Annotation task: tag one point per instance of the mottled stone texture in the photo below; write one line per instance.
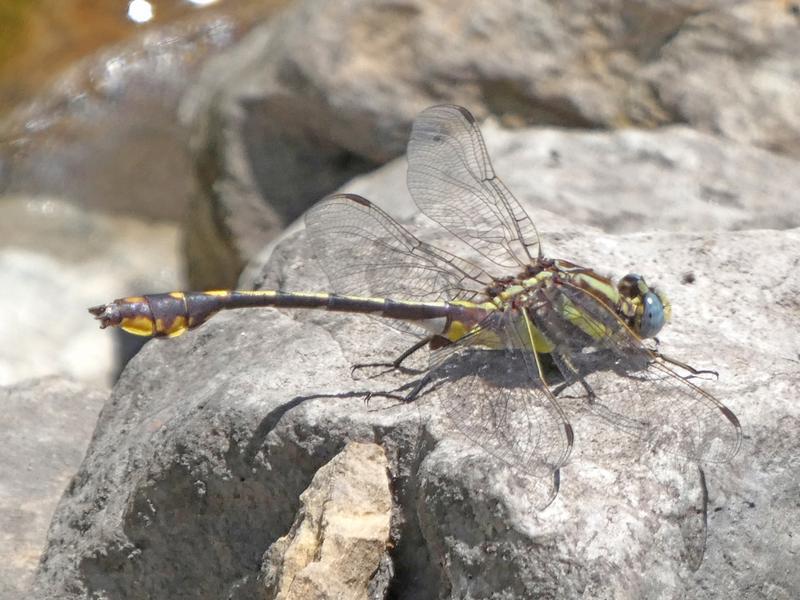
(328, 90)
(45, 425)
(201, 455)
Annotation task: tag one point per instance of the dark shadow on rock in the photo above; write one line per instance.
(285, 151)
(416, 576)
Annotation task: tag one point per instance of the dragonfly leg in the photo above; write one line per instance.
(571, 377)
(693, 372)
(560, 388)
(368, 396)
(396, 363)
(418, 388)
(397, 394)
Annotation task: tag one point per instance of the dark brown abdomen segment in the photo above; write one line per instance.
(170, 314)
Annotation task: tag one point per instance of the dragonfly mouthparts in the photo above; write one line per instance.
(108, 315)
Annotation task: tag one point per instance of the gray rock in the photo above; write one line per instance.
(45, 425)
(632, 180)
(733, 71)
(202, 452)
(673, 178)
(329, 89)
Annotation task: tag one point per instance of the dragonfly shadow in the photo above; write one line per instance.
(267, 424)
(273, 417)
(488, 398)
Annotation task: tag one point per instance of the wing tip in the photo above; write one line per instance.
(450, 108)
(465, 113)
(358, 199)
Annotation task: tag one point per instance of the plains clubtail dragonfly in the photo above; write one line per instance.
(521, 338)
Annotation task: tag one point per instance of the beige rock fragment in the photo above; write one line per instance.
(340, 533)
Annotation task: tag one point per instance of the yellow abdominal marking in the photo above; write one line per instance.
(456, 331)
(138, 325)
(529, 335)
(179, 325)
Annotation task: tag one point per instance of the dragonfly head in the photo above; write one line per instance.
(651, 308)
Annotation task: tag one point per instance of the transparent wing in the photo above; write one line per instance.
(633, 387)
(452, 181)
(498, 400)
(365, 252)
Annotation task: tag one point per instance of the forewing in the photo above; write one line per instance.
(634, 388)
(498, 400)
(365, 252)
(452, 181)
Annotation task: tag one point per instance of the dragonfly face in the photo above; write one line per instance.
(651, 307)
(488, 330)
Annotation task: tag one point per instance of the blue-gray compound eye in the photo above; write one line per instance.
(653, 317)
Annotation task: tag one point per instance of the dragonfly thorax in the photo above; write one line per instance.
(499, 286)
(643, 309)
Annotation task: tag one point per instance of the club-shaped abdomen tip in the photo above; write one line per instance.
(131, 314)
(106, 314)
(160, 315)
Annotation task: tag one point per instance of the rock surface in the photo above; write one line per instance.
(673, 178)
(340, 535)
(328, 90)
(45, 426)
(213, 436)
(201, 455)
(119, 105)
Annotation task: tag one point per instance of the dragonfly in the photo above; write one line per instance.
(509, 330)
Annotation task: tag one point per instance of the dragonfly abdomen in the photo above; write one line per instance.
(172, 313)
(160, 315)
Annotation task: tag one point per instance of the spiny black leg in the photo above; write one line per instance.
(396, 395)
(574, 375)
(418, 388)
(388, 395)
(694, 372)
(591, 397)
(396, 363)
